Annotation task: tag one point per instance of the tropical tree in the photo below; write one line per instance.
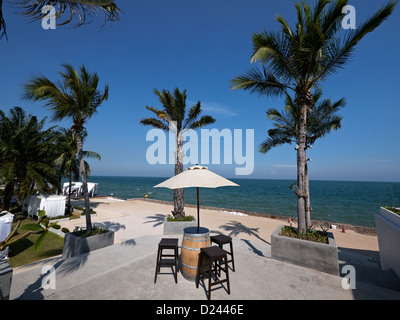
(75, 97)
(68, 162)
(27, 154)
(298, 60)
(320, 122)
(65, 11)
(173, 118)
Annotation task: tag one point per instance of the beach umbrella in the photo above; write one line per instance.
(196, 177)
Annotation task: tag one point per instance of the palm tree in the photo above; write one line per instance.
(172, 117)
(69, 9)
(68, 162)
(320, 122)
(298, 60)
(76, 97)
(27, 154)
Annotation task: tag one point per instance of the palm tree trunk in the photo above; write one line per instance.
(69, 191)
(304, 100)
(308, 206)
(84, 182)
(301, 216)
(179, 194)
(8, 193)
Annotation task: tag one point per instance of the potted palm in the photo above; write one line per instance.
(297, 61)
(80, 242)
(388, 231)
(77, 98)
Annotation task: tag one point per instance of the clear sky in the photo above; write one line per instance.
(200, 45)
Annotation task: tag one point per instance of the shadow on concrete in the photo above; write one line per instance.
(34, 290)
(253, 248)
(110, 225)
(236, 228)
(367, 270)
(157, 219)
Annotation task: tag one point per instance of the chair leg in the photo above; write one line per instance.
(233, 260)
(176, 264)
(227, 275)
(210, 263)
(157, 265)
(198, 269)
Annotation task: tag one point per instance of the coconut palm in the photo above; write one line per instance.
(65, 11)
(298, 60)
(321, 121)
(68, 162)
(27, 154)
(75, 97)
(173, 118)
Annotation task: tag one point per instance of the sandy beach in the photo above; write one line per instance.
(134, 218)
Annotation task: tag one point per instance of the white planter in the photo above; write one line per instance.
(388, 231)
(74, 245)
(177, 227)
(318, 256)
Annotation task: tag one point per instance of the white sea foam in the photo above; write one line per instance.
(115, 199)
(235, 213)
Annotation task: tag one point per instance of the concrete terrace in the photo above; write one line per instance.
(126, 271)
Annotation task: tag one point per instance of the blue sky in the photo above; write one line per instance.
(200, 46)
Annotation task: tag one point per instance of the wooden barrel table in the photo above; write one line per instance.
(193, 240)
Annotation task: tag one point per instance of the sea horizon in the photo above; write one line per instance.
(349, 202)
(242, 178)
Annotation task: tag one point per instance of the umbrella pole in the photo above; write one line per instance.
(198, 211)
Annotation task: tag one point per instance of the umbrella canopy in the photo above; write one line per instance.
(196, 177)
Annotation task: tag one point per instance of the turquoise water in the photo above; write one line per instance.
(336, 201)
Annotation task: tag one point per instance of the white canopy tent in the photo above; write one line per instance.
(76, 188)
(53, 205)
(5, 229)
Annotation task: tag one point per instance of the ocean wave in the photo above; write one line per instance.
(115, 199)
(235, 213)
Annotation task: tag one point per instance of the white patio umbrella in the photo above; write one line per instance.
(196, 177)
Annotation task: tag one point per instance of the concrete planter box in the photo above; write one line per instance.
(74, 245)
(309, 254)
(6, 273)
(388, 231)
(176, 227)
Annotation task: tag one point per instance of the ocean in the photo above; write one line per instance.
(334, 201)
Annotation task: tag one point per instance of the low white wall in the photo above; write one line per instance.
(388, 230)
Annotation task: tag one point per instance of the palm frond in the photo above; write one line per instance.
(193, 114)
(91, 154)
(273, 50)
(261, 82)
(75, 96)
(78, 12)
(154, 123)
(203, 121)
(3, 26)
(338, 52)
(83, 10)
(274, 140)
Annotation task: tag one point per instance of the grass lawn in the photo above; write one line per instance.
(22, 252)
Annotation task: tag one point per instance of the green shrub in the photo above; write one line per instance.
(186, 218)
(311, 234)
(393, 209)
